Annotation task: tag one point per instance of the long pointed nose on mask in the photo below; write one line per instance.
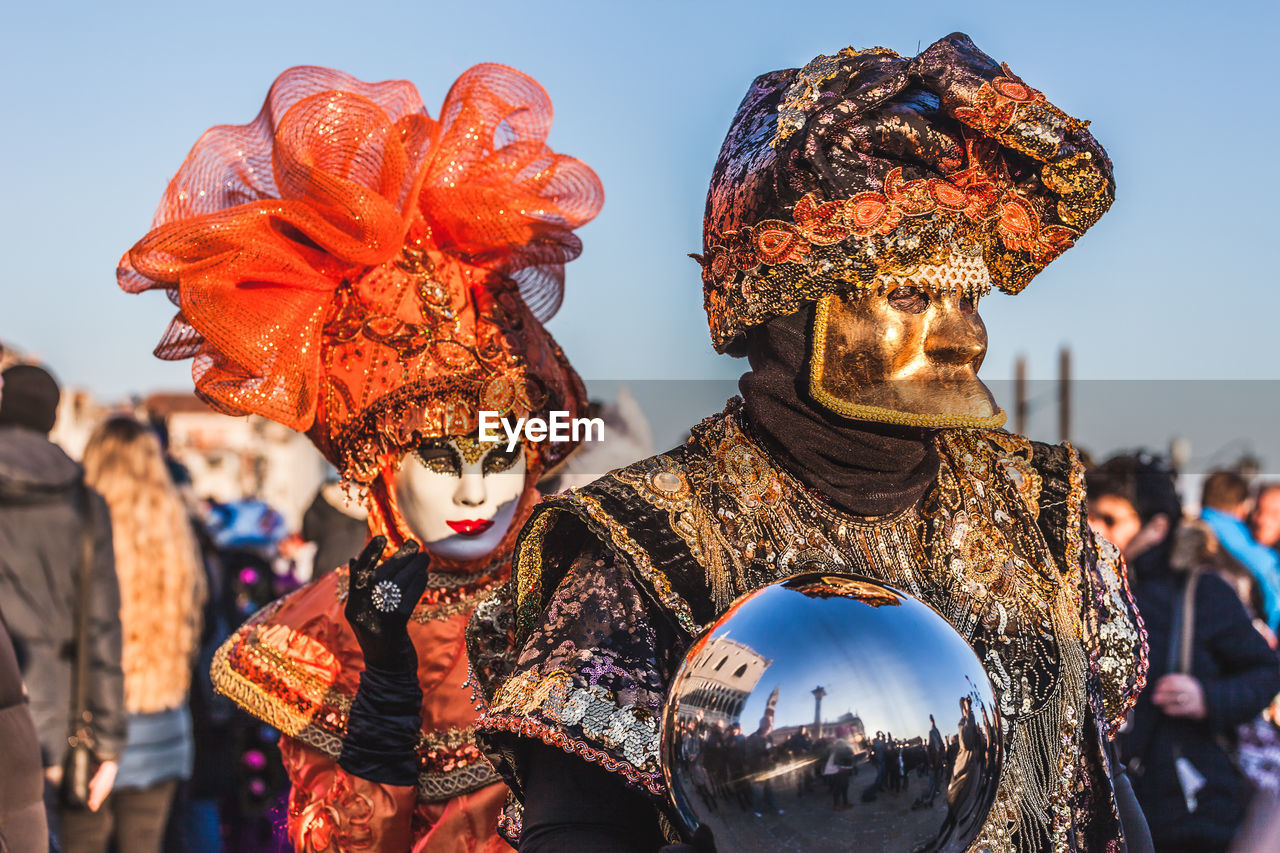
(956, 334)
(906, 353)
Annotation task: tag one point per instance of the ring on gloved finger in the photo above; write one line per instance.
(386, 596)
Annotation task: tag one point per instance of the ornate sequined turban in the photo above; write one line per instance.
(866, 164)
(357, 270)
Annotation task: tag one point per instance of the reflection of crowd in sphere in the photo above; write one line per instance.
(878, 777)
(759, 775)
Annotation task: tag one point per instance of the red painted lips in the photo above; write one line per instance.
(470, 526)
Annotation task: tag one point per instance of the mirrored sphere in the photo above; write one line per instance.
(832, 712)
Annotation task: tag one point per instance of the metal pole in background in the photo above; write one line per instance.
(1020, 395)
(1064, 394)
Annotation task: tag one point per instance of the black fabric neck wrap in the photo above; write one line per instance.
(865, 469)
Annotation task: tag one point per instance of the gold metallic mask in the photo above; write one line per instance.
(907, 353)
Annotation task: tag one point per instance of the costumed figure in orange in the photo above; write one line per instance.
(356, 270)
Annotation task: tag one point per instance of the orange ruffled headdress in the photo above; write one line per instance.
(356, 270)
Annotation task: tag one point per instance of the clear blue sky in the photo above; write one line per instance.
(102, 102)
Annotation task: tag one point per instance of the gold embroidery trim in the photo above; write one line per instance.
(665, 484)
(527, 569)
(1075, 500)
(1122, 643)
(250, 696)
(640, 559)
(332, 707)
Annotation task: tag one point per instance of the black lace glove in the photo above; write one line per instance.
(382, 728)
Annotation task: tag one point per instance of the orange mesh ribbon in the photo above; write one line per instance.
(344, 253)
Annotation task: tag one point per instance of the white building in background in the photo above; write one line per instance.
(231, 458)
(78, 416)
(720, 679)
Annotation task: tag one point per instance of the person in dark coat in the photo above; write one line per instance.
(44, 506)
(842, 762)
(22, 821)
(1177, 746)
(935, 758)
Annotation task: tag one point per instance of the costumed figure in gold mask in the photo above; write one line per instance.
(860, 209)
(357, 270)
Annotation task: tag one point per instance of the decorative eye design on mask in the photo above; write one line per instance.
(909, 299)
(499, 459)
(913, 299)
(440, 457)
(445, 456)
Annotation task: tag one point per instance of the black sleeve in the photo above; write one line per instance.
(1137, 833)
(1249, 672)
(106, 677)
(571, 804)
(382, 728)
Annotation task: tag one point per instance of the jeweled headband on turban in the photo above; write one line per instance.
(867, 164)
(356, 270)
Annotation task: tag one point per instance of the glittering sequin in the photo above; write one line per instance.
(999, 546)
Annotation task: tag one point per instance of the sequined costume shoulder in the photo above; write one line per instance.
(614, 580)
(295, 665)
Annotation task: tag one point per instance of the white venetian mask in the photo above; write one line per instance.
(458, 496)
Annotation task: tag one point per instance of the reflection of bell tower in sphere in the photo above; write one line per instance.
(818, 692)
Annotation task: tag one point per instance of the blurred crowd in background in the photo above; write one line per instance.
(172, 573)
(175, 549)
(1201, 748)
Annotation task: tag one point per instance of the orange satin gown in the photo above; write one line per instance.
(296, 665)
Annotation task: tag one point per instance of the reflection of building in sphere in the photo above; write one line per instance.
(849, 687)
(857, 736)
(720, 679)
(851, 721)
